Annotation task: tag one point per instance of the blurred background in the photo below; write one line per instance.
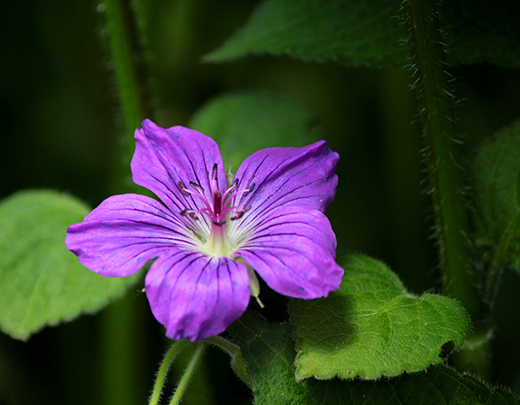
(60, 130)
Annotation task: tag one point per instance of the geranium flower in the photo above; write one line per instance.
(270, 216)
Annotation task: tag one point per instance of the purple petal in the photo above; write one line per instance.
(293, 250)
(196, 296)
(289, 176)
(123, 232)
(165, 157)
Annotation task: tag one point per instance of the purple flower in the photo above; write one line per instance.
(270, 216)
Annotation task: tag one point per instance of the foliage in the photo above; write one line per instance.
(376, 339)
(269, 352)
(43, 283)
(372, 326)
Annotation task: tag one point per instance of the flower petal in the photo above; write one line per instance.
(293, 250)
(165, 157)
(123, 232)
(288, 176)
(196, 296)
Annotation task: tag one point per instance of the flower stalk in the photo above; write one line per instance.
(238, 363)
(163, 370)
(188, 373)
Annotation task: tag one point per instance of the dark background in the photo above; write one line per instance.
(60, 126)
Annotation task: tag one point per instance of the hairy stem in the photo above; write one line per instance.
(163, 370)
(238, 363)
(124, 44)
(441, 152)
(120, 345)
(188, 373)
(128, 65)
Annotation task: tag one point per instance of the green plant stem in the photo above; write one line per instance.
(441, 152)
(120, 343)
(127, 59)
(238, 363)
(224, 344)
(120, 325)
(188, 373)
(163, 370)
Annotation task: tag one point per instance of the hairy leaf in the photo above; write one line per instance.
(359, 32)
(269, 352)
(347, 31)
(42, 283)
(372, 326)
(497, 195)
(243, 123)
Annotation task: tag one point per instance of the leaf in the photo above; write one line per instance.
(359, 32)
(353, 32)
(372, 326)
(476, 35)
(269, 352)
(496, 174)
(243, 123)
(42, 283)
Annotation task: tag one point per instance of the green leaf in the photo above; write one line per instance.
(348, 31)
(496, 195)
(42, 283)
(269, 352)
(360, 32)
(372, 326)
(476, 35)
(243, 123)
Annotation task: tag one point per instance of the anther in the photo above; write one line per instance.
(250, 189)
(182, 189)
(197, 187)
(239, 213)
(233, 186)
(190, 213)
(219, 223)
(214, 173)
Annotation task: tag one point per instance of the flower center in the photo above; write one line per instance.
(215, 212)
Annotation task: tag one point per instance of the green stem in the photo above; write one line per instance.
(441, 152)
(238, 363)
(224, 344)
(120, 328)
(120, 343)
(163, 370)
(127, 59)
(188, 373)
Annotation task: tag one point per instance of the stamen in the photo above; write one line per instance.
(230, 190)
(239, 213)
(213, 209)
(197, 187)
(182, 188)
(250, 189)
(190, 213)
(214, 173)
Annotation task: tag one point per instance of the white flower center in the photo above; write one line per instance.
(212, 238)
